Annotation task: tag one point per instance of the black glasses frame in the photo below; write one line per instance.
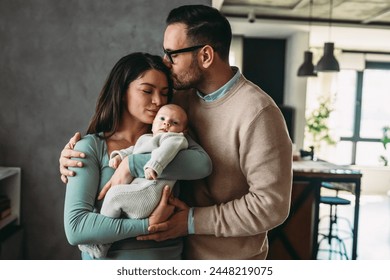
(189, 49)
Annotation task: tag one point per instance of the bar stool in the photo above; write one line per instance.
(334, 235)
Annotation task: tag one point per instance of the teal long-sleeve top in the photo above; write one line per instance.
(82, 222)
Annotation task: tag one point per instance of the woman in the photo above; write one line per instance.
(138, 85)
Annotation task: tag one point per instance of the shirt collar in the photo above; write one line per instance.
(222, 90)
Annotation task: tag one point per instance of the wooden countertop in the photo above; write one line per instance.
(309, 168)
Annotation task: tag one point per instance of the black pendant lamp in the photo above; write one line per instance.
(307, 67)
(328, 62)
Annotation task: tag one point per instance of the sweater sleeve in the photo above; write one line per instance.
(82, 224)
(170, 145)
(189, 164)
(265, 157)
(122, 153)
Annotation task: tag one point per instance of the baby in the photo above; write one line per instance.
(138, 199)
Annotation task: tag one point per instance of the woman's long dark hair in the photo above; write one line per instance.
(109, 106)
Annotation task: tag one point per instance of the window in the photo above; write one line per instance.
(361, 110)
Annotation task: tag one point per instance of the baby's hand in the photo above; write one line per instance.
(115, 161)
(150, 174)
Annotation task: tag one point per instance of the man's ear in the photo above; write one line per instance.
(206, 56)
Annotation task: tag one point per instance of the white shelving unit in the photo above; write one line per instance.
(10, 179)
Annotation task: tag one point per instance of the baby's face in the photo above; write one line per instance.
(169, 119)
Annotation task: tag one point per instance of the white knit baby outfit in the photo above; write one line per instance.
(138, 199)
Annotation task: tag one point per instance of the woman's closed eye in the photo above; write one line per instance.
(146, 89)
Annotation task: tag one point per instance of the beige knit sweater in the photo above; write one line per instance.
(248, 192)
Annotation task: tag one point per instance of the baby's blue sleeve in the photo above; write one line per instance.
(190, 164)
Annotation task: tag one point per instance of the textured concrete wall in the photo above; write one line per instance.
(54, 58)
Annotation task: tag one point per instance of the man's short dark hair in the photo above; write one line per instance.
(205, 25)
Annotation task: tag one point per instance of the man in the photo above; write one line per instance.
(242, 130)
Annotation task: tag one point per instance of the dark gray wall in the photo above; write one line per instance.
(54, 58)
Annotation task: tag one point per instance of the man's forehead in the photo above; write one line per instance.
(175, 36)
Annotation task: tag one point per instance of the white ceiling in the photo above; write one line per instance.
(347, 34)
(361, 12)
(350, 38)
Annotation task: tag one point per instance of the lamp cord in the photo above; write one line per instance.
(330, 19)
(310, 14)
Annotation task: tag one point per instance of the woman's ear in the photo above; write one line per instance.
(206, 56)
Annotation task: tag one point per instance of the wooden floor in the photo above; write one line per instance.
(374, 227)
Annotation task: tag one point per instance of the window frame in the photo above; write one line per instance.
(355, 138)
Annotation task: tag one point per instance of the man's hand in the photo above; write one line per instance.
(68, 153)
(176, 226)
(121, 175)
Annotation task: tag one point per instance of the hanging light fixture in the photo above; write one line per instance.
(328, 62)
(307, 67)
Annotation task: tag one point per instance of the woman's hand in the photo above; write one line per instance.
(163, 210)
(121, 175)
(65, 158)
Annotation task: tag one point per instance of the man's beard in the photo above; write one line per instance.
(191, 79)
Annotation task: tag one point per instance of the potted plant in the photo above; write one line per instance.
(317, 127)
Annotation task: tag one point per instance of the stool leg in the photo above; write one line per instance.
(336, 246)
(344, 249)
(331, 222)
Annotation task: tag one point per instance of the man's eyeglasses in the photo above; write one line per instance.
(189, 49)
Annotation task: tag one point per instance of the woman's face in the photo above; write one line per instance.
(146, 95)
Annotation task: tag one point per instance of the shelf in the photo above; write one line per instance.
(6, 172)
(10, 179)
(8, 220)
(11, 243)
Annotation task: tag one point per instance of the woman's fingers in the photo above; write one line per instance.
(104, 190)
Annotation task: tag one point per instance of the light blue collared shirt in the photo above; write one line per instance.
(223, 90)
(219, 93)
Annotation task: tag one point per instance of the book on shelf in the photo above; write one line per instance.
(5, 202)
(5, 213)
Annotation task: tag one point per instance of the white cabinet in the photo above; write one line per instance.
(10, 186)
